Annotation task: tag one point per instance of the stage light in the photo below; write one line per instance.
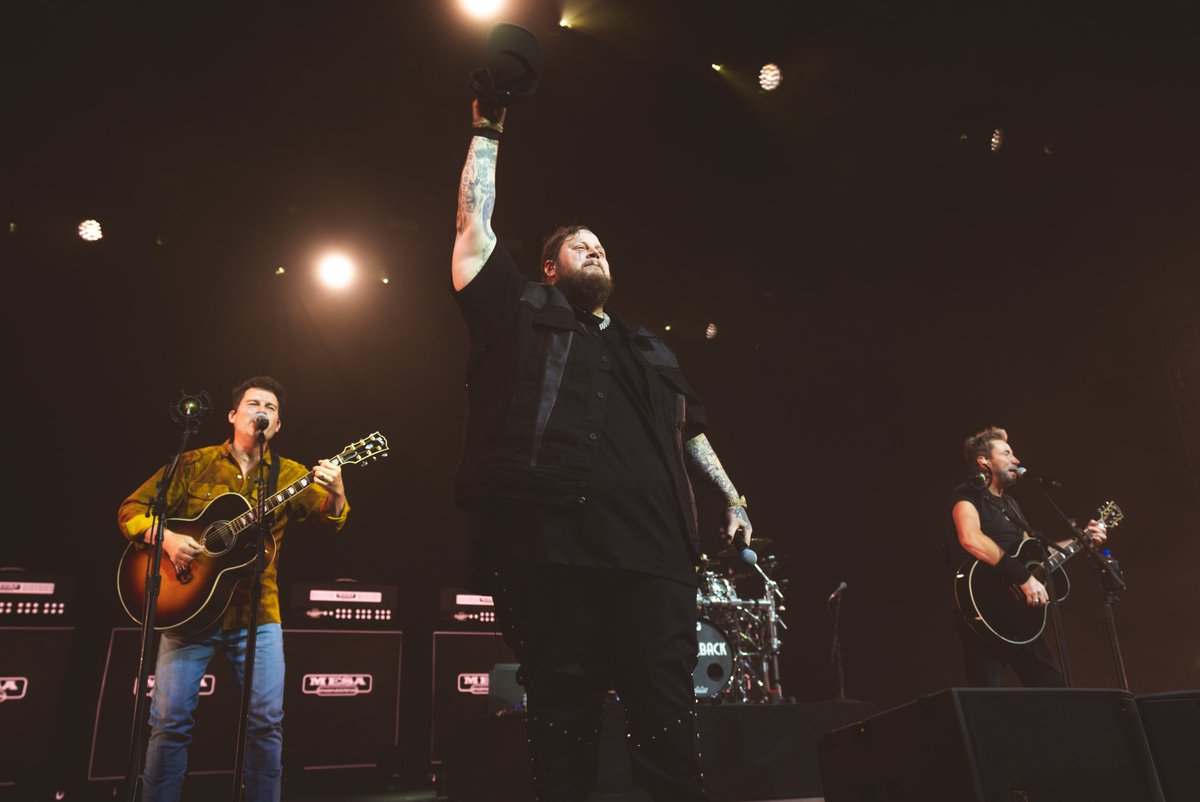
(90, 231)
(710, 331)
(769, 77)
(336, 271)
(667, 327)
(564, 23)
(481, 9)
(717, 67)
(997, 139)
(279, 271)
(385, 279)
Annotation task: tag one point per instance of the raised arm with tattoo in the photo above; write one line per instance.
(474, 239)
(702, 459)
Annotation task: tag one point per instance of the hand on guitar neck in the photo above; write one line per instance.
(1034, 591)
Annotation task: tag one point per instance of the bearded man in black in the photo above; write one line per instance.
(580, 431)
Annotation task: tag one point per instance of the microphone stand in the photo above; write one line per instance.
(835, 652)
(1111, 583)
(260, 528)
(1060, 636)
(190, 411)
(771, 655)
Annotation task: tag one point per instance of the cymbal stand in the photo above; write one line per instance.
(770, 636)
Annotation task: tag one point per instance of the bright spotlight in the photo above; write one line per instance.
(997, 139)
(564, 23)
(769, 77)
(89, 231)
(717, 67)
(710, 331)
(481, 9)
(336, 271)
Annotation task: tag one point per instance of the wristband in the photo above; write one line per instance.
(740, 501)
(1013, 570)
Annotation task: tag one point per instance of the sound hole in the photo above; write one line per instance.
(218, 539)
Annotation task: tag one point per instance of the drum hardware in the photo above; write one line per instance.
(738, 638)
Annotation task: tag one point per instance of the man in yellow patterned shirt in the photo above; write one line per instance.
(203, 475)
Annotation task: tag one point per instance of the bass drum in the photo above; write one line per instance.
(715, 665)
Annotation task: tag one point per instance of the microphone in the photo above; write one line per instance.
(747, 555)
(1023, 473)
(261, 421)
(836, 592)
(191, 409)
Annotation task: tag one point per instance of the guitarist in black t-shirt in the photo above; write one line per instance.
(989, 527)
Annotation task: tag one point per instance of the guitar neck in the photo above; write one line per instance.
(1065, 553)
(278, 499)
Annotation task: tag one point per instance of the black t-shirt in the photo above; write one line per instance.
(632, 519)
(1000, 518)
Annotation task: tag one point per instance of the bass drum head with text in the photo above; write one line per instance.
(715, 664)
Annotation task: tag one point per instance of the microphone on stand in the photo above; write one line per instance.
(261, 421)
(836, 592)
(1023, 473)
(191, 409)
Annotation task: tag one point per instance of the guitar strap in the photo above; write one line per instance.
(272, 483)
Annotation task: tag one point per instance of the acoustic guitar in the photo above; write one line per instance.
(996, 608)
(194, 597)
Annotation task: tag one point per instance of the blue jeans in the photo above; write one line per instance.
(181, 665)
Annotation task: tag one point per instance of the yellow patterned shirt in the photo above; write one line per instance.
(205, 474)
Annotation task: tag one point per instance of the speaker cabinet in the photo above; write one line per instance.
(1172, 723)
(462, 668)
(341, 704)
(33, 665)
(995, 745)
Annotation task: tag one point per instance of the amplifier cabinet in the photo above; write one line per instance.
(33, 666)
(462, 665)
(341, 703)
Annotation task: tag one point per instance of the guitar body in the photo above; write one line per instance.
(994, 607)
(190, 603)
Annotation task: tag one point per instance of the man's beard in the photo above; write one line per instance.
(586, 289)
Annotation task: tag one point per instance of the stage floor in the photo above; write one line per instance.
(430, 796)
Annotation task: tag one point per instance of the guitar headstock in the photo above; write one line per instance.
(1110, 514)
(364, 451)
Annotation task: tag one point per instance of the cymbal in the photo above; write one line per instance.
(755, 544)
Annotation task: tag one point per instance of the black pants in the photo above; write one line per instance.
(985, 659)
(578, 631)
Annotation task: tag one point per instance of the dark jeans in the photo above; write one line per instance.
(580, 631)
(985, 659)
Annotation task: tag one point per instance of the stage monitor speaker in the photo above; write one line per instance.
(1172, 723)
(462, 667)
(341, 704)
(995, 745)
(33, 665)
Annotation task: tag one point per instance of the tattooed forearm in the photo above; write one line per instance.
(477, 189)
(703, 459)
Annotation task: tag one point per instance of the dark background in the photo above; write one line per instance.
(883, 283)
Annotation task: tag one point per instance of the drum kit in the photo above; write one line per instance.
(738, 637)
